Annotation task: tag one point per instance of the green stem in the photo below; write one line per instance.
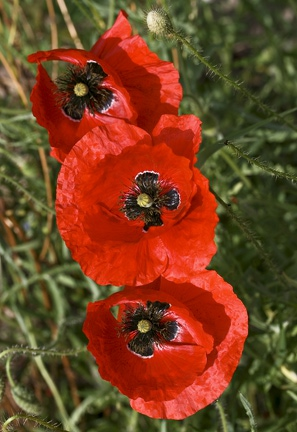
(163, 426)
(9, 376)
(34, 419)
(132, 423)
(26, 326)
(254, 161)
(28, 194)
(249, 411)
(39, 351)
(55, 392)
(237, 86)
(111, 13)
(251, 236)
(236, 169)
(222, 416)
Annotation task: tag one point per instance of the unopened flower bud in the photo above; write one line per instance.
(158, 22)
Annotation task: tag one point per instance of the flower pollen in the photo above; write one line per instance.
(147, 197)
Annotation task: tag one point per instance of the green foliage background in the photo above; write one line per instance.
(43, 293)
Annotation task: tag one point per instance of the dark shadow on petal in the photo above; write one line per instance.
(144, 87)
(214, 320)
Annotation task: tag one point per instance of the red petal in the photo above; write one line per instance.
(160, 377)
(225, 317)
(181, 133)
(112, 262)
(194, 235)
(109, 247)
(79, 57)
(49, 115)
(152, 83)
(144, 86)
(74, 56)
(110, 39)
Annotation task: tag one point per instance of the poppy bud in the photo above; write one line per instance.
(158, 22)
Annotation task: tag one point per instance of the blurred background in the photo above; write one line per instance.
(43, 293)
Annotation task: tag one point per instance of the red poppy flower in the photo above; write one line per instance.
(118, 78)
(172, 348)
(131, 206)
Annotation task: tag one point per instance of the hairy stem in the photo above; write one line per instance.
(236, 85)
(39, 351)
(259, 164)
(251, 236)
(25, 192)
(37, 420)
(222, 416)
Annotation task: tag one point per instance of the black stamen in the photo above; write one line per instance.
(142, 345)
(80, 88)
(146, 198)
(171, 199)
(145, 327)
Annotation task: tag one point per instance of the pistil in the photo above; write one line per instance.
(81, 89)
(144, 200)
(144, 326)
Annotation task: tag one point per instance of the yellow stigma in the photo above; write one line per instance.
(81, 89)
(144, 326)
(144, 200)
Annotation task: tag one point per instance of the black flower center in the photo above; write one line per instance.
(146, 198)
(80, 88)
(147, 327)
